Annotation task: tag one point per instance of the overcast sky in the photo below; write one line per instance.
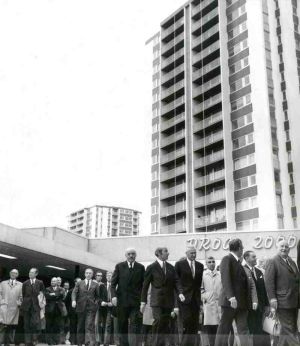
(75, 86)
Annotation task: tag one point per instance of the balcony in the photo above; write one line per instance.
(278, 187)
(172, 28)
(205, 52)
(172, 191)
(198, 74)
(172, 74)
(173, 155)
(173, 138)
(199, 90)
(208, 159)
(204, 142)
(199, 40)
(172, 122)
(197, 9)
(172, 173)
(205, 19)
(198, 108)
(172, 89)
(173, 209)
(211, 198)
(178, 227)
(172, 44)
(209, 220)
(210, 178)
(276, 163)
(172, 105)
(171, 59)
(213, 119)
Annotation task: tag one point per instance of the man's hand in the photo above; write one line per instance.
(181, 297)
(233, 302)
(142, 307)
(114, 301)
(109, 304)
(74, 304)
(103, 304)
(176, 311)
(254, 306)
(273, 304)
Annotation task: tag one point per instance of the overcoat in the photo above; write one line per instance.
(10, 301)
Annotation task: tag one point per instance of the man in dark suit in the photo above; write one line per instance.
(85, 298)
(164, 284)
(234, 297)
(101, 313)
(72, 314)
(55, 311)
(255, 317)
(282, 284)
(30, 307)
(68, 304)
(190, 273)
(126, 288)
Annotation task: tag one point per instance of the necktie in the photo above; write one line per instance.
(88, 285)
(164, 267)
(193, 268)
(108, 292)
(289, 265)
(130, 266)
(32, 282)
(253, 273)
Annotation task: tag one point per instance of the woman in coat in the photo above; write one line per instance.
(10, 301)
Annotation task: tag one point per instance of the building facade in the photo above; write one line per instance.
(104, 222)
(225, 152)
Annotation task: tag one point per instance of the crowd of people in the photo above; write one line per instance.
(163, 304)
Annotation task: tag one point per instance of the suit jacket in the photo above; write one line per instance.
(260, 287)
(234, 283)
(252, 297)
(282, 282)
(56, 300)
(108, 298)
(30, 295)
(163, 286)
(191, 287)
(86, 300)
(68, 300)
(127, 285)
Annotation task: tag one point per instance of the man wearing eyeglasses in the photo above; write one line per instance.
(210, 292)
(126, 289)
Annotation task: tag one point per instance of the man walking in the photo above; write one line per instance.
(85, 298)
(234, 295)
(30, 307)
(164, 283)
(126, 288)
(282, 285)
(10, 301)
(190, 272)
(255, 317)
(210, 293)
(55, 309)
(100, 319)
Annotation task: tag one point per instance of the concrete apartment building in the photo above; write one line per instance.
(225, 116)
(104, 222)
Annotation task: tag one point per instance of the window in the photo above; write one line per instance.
(154, 192)
(247, 225)
(241, 102)
(242, 121)
(244, 161)
(153, 227)
(239, 65)
(240, 83)
(155, 68)
(295, 224)
(155, 112)
(153, 209)
(236, 13)
(237, 48)
(246, 204)
(243, 141)
(245, 182)
(154, 175)
(155, 97)
(154, 128)
(154, 143)
(154, 159)
(237, 30)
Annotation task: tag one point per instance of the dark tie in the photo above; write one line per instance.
(253, 273)
(164, 268)
(289, 265)
(108, 292)
(193, 269)
(88, 285)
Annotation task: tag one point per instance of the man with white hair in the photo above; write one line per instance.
(190, 272)
(282, 285)
(126, 289)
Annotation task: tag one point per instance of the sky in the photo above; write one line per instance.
(75, 107)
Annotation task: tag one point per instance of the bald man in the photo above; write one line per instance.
(126, 289)
(190, 272)
(282, 285)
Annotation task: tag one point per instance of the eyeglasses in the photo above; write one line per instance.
(211, 262)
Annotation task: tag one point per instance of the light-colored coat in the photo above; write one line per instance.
(210, 292)
(10, 301)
